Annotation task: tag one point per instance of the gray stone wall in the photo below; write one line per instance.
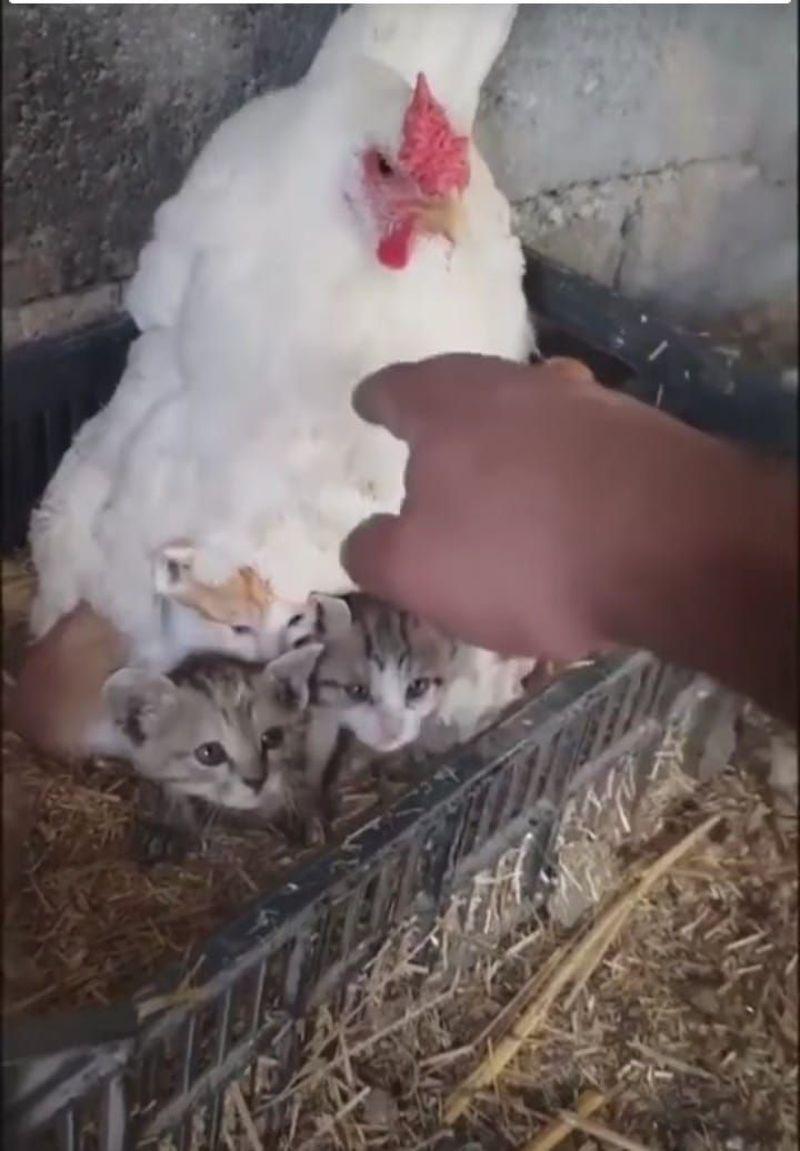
(104, 108)
(653, 147)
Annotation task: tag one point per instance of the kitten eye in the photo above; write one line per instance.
(384, 167)
(417, 688)
(211, 754)
(241, 629)
(357, 692)
(272, 739)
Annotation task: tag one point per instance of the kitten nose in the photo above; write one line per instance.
(391, 728)
(256, 778)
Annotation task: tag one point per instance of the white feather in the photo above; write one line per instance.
(455, 45)
(262, 305)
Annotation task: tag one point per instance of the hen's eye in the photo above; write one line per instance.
(272, 739)
(384, 167)
(357, 692)
(210, 754)
(417, 688)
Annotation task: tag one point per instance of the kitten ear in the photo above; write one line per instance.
(332, 615)
(322, 619)
(239, 601)
(137, 700)
(172, 570)
(289, 674)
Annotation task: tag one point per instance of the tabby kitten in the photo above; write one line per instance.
(218, 729)
(380, 676)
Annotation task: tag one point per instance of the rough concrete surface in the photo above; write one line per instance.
(60, 313)
(584, 93)
(714, 237)
(104, 109)
(652, 147)
(706, 238)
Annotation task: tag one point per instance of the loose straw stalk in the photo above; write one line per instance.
(587, 954)
(560, 1129)
(603, 1133)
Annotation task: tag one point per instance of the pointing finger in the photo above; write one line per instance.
(410, 399)
(369, 554)
(407, 399)
(382, 556)
(571, 370)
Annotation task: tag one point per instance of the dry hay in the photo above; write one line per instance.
(93, 922)
(89, 924)
(677, 1032)
(764, 336)
(685, 1030)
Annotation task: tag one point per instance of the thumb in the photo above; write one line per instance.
(378, 557)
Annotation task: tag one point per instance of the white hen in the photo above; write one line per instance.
(325, 231)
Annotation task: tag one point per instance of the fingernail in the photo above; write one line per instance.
(572, 369)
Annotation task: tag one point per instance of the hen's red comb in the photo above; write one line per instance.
(431, 152)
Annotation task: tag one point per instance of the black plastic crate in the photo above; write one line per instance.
(50, 387)
(114, 1079)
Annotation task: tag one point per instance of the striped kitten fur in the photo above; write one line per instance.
(217, 728)
(379, 678)
(383, 675)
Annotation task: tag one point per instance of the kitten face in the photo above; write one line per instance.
(384, 675)
(216, 728)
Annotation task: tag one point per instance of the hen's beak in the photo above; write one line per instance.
(443, 217)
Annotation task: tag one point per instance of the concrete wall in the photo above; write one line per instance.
(653, 147)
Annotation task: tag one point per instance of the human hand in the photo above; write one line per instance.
(547, 515)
